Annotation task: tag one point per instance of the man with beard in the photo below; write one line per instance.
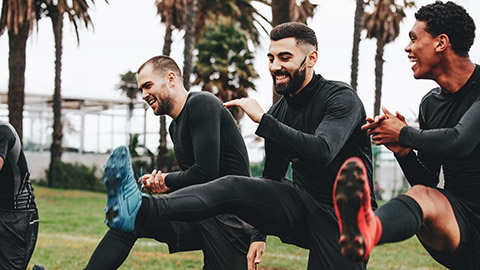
(315, 127)
(207, 145)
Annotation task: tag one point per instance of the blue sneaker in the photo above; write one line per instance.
(123, 195)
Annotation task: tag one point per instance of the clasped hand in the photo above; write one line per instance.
(385, 129)
(154, 182)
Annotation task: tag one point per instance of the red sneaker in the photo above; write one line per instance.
(360, 228)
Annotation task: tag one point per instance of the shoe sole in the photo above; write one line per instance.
(116, 172)
(348, 198)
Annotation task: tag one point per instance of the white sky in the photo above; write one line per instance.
(127, 33)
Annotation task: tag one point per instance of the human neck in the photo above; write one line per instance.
(455, 74)
(179, 103)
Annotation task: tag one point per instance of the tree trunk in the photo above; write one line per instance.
(357, 30)
(280, 14)
(57, 135)
(378, 76)
(190, 11)
(162, 158)
(16, 81)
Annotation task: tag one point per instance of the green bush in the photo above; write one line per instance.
(75, 176)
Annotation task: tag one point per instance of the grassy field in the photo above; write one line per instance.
(71, 225)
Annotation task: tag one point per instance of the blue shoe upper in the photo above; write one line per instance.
(123, 195)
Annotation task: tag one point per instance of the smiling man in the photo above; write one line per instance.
(315, 127)
(208, 145)
(446, 220)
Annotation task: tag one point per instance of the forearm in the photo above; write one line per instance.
(317, 147)
(257, 236)
(192, 176)
(457, 141)
(415, 172)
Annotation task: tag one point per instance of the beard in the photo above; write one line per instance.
(164, 105)
(294, 83)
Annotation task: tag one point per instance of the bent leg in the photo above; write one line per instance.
(115, 246)
(257, 201)
(440, 229)
(112, 250)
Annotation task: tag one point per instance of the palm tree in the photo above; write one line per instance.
(357, 29)
(171, 14)
(77, 11)
(384, 25)
(189, 38)
(128, 86)
(290, 11)
(17, 16)
(224, 62)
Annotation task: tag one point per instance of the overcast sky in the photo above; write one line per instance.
(127, 33)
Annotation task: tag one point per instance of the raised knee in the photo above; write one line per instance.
(426, 197)
(418, 191)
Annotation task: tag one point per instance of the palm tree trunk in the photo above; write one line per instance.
(189, 41)
(16, 82)
(57, 135)
(378, 76)
(162, 157)
(357, 29)
(280, 14)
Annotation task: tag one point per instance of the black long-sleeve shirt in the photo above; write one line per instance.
(316, 130)
(448, 137)
(207, 145)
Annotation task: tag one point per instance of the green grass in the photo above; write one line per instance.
(71, 225)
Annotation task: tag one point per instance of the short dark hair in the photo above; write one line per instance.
(162, 63)
(301, 32)
(452, 20)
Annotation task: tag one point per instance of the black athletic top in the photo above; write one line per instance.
(208, 145)
(316, 130)
(449, 136)
(16, 191)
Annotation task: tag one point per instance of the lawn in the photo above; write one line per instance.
(71, 225)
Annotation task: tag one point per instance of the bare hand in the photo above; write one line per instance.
(387, 130)
(249, 106)
(155, 182)
(255, 254)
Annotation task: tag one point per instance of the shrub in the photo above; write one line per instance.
(75, 176)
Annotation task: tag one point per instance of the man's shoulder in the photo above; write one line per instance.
(432, 94)
(6, 130)
(203, 97)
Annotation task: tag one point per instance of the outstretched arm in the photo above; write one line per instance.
(342, 112)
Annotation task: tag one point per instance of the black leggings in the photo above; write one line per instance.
(253, 200)
(274, 208)
(115, 246)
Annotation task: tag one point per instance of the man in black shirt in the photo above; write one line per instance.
(315, 127)
(446, 220)
(18, 211)
(207, 145)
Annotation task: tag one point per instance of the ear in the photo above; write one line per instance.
(442, 42)
(312, 59)
(172, 78)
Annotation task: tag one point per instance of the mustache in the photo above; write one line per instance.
(281, 72)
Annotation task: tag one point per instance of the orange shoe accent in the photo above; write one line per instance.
(360, 228)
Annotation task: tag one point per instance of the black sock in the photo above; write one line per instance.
(401, 218)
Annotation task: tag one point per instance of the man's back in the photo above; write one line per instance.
(207, 142)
